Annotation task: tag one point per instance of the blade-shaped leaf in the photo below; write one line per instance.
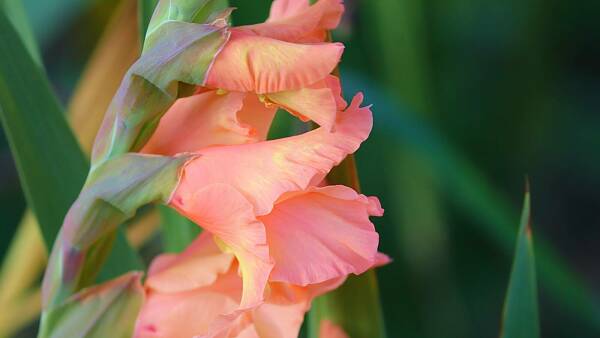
(51, 166)
(107, 310)
(520, 317)
(112, 195)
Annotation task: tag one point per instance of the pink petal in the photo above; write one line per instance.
(199, 265)
(321, 234)
(318, 102)
(256, 114)
(224, 212)
(251, 63)
(188, 313)
(198, 121)
(295, 21)
(264, 171)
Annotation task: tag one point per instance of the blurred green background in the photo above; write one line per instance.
(469, 97)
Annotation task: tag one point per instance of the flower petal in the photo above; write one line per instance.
(225, 212)
(321, 234)
(198, 266)
(251, 63)
(328, 329)
(188, 313)
(295, 21)
(318, 102)
(198, 121)
(264, 171)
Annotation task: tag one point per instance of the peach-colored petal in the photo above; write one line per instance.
(198, 121)
(264, 171)
(187, 313)
(318, 102)
(295, 21)
(251, 63)
(321, 234)
(328, 329)
(225, 212)
(256, 114)
(191, 269)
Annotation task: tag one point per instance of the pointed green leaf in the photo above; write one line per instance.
(51, 166)
(107, 310)
(520, 317)
(15, 12)
(112, 194)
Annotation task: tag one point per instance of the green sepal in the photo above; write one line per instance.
(106, 310)
(112, 194)
(182, 53)
(191, 11)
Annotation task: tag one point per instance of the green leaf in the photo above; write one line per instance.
(107, 310)
(520, 317)
(112, 195)
(15, 12)
(51, 166)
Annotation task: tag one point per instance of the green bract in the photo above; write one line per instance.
(107, 310)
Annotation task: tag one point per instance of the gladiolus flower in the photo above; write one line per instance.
(258, 199)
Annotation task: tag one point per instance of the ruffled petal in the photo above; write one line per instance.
(321, 234)
(318, 102)
(224, 212)
(295, 21)
(199, 121)
(188, 313)
(251, 63)
(264, 171)
(198, 266)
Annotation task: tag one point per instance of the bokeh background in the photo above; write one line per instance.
(469, 98)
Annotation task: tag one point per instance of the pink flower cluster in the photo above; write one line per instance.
(275, 235)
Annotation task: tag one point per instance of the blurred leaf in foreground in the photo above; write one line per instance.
(520, 317)
(51, 165)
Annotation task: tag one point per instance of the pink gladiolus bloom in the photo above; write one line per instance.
(194, 294)
(263, 204)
